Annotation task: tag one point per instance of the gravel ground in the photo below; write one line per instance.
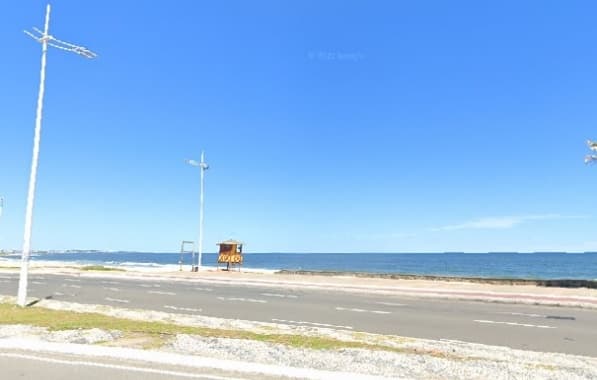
(415, 359)
(455, 360)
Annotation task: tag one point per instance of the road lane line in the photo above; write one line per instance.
(5, 281)
(71, 280)
(523, 314)
(71, 286)
(161, 293)
(391, 304)
(111, 289)
(117, 367)
(111, 282)
(145, 286)
(182, 308)
(204, 289)
(58, 294)
(38, 282)
(279, 295)
(116, 300)
(241, 299)
(356, 310)
(514, 324)
(311, 323)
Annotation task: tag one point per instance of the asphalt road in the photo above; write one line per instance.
(529, 327)
(22, 365)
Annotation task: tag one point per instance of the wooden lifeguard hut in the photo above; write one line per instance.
(231, 254)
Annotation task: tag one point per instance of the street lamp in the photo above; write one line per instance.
(46, 40)
(203, 166)
(590, 158)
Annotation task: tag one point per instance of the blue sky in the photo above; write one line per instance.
(336, 126)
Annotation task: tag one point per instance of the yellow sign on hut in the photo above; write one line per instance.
(231, 253)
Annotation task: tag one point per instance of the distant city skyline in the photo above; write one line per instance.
(328, 127)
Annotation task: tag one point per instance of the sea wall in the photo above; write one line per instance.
(559, 283)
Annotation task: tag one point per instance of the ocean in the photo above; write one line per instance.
(488, 265)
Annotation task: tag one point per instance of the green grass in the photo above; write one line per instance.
(101, 268)
(157, 333)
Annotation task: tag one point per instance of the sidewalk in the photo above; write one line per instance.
(454, 289)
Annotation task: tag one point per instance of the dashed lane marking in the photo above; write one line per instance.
(514, 324)
(38, 282)
(391, 304)
(279, 295)
(311, 323)
(111, 282)
(182, 308)
(111, 289)
(71, 286)
(241, 299)
(71, 280)
(116, 300)
(523, 314)
(161, 293)
(204, 289)
(362, 310)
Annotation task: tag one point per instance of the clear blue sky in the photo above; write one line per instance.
(336, 126)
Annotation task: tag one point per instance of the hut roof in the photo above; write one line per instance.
(230, 242)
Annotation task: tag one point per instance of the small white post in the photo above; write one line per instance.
(22, 295)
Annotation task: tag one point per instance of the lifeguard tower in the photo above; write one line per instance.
(231, 254)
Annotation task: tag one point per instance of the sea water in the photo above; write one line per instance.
(494, 265)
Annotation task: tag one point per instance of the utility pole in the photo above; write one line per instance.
(203, 166)
(46, 40)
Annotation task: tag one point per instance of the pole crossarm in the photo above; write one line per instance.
(41, 37)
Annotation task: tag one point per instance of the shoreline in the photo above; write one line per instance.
(557, 283)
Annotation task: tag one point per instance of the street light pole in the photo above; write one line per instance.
(203, 166)
(46, 40)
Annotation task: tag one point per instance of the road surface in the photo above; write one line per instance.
(529, 327)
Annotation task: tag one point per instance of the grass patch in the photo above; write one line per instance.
(102, 268)
(159, 332)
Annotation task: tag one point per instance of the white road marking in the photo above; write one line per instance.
(523, 314)
(116, 366)
(145, 286)
(161, 293)
(116, 300)
(58, 294)
(5, 281)
(111, 289)
(241, 299)
(111, 282)
(204, 289)
(38, 282)
(311, 323)
(514, 324)
(6, 277)
(391, 304)
(72, 286)
(71, 280)
(182, 308)
(279, 295)
(363, 310)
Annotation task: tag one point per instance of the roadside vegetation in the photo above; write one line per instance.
(156, 334)
(101, 268)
